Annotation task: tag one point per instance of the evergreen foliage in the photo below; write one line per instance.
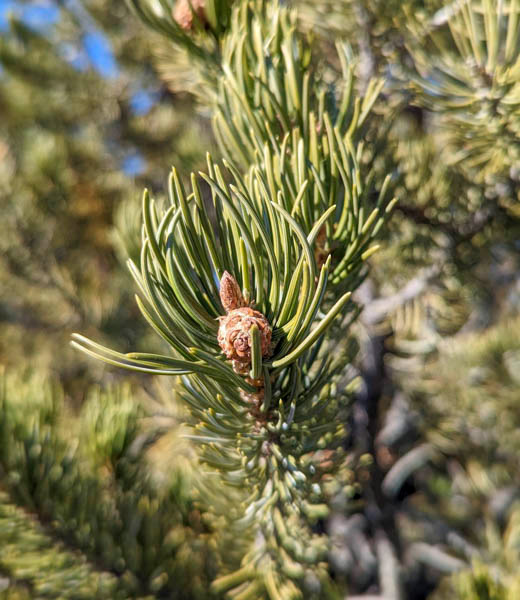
(65, 134)
(34, 565)
(262, 431)
(336, 302)
(95, 493)
(468, 70)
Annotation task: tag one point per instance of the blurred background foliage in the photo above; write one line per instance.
(99, 493)
(85, 124)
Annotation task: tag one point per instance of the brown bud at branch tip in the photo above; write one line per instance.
(230, 293)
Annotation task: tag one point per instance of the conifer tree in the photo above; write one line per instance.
(335, 299)
(67, 135)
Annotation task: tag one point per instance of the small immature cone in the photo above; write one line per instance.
(183, 15)
(234, 331)
(234, 337)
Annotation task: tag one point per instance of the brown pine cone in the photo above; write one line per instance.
(234, 337)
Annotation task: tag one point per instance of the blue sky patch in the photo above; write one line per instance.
(100, 54)
(134, 164)
(38, 15)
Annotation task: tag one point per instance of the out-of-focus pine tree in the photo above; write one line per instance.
(85, 122)
(84, 117)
